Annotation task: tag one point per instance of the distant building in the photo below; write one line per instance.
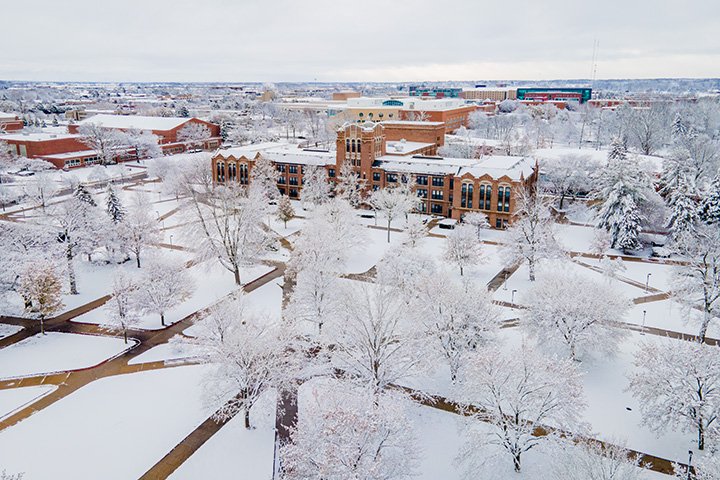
(10, 123)
(343, 96)
(497, 94)
(563, 94)
(416, 91)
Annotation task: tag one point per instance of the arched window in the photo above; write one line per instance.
(485, 196)
(243, 174)
(221, 171)
(503, 199)
(232, 171)
(347, 146)
(466, 194)
(352, 144)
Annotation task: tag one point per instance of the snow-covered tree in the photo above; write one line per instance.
(568, 175)
(393, 202)
(113, 206)
(105, 141)
(677, 384)
(315, 187)
(145, 143)
(574, 313)
(462, 247)
(122, 308)
(459, 317)
(416, 230)
(81, 193)
(684, 212)
(373, 340)
(41, 288)
(263, 177)
(40, 189)
(625, 190)
(516, 390)
(594, 461)
(406, 270)
(138, 229)
(349, 185)
(251, 356)
(194, 135)
(285, 210)
(705, 468)
(350, 434)
(530, 238)
(478, 220)
(710, 203)
(228, 222)
(165, 284)
(75, 232)
(697, 283)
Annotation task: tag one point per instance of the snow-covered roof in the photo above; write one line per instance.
(64, 156)
(7, 116)
(247, 151)
(401, 147)
(136, 122)
(501, 166)
(411, 123)
(297, 156)
(37, 137)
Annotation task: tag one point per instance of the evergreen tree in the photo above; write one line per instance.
(55, 122)
(114, 207)
(285, 211)
(627, 225)
(183, 111)
(82, 194)
(710, 207)
(685, 215)
(618, 151)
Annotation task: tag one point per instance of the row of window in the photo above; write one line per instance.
(503, 198)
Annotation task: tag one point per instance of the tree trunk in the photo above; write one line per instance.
(531, 270)
(125, 334)
(247, 418)
(71, 271)
(162, 318)
(516, 461)
(137, 259)
(701, 438)
(704, 326)
(42, 324)
(388, 230)
(236, 272)
(461, 270)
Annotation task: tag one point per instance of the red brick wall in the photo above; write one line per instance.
(50, 147)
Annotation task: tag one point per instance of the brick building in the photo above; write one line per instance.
(446, 187)
(10, 122)
(166, 129)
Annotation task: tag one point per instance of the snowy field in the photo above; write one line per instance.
(14, 399)
(7, 330)
(121, 426)
(57, 352)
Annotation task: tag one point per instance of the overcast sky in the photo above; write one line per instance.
(360, 40)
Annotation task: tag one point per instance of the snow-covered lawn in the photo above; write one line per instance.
(13, 399)
(212, 282)
(119, 426)
(670, 315)
(363, 257)
(490, 266)
(57, 352)
(176, 350)
(660, 275)
(7, 330)
(575, 238)
(234, 452)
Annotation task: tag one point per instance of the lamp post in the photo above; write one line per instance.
(643, 324)
(505, 282)
(171, 240)
(647, 282)
(690, 454)
(512, 296)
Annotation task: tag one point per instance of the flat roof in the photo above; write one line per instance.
(136, 122)
(403, 147)
(37, 137)
(412, 123)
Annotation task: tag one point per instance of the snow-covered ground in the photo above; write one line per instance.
(14, 399)
(116, 427)
(57, 352)
(7, 330)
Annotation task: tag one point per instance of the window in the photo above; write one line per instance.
(232, 171)
(422, 180)
(466, 193)
(221, 171)
(293, 169)
(485, 196)
(376, 188)
(437, 194)
(331, 172)
(503, 199)
(293, 181)
(293, 193)
(391, 178)
(438, 181)
(281, 180)
(376, 176)
(422, 193)
(244, 174)
(422, 207)
(281, 168)
(436, 208)
(501, 223)
(72, 163)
